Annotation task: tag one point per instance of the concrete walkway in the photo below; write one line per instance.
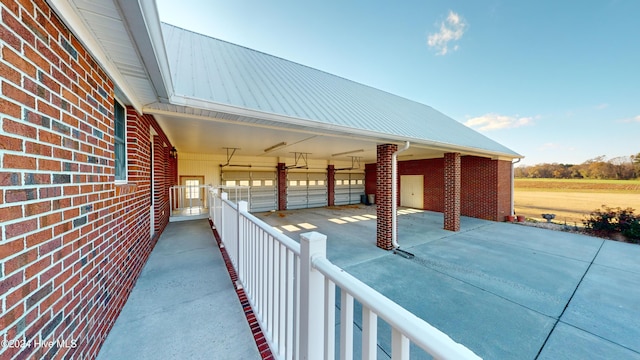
(184, 305)
(506, 291)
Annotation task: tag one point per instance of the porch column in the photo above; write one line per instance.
(331, 185)
(452, 191)
(282, 186)
(384, 200)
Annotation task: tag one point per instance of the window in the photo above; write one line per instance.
(120, 148)
(244, 182)
(192, 189)
(230, 183)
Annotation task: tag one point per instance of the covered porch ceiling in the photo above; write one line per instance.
(203, 134)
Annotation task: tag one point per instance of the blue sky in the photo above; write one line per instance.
(556, 81)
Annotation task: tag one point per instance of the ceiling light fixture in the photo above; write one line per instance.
(348, 152)
(276, 146)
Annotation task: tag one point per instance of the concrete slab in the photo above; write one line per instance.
(606, 305)
(618, 255)
(183, 305)
(490, 325)
(569, 343)
(500, 289)
(505, 269)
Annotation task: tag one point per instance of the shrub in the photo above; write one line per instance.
(607, 220)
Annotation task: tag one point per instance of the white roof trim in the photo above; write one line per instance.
(84, 35)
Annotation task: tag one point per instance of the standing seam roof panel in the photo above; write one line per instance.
(241, 77)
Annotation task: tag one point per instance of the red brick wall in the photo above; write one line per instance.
(452, 190)
(72, 243)
(485, 185)
(282, 186)
(331, 185)
(384, 200)
(504, 189)
(486, 188)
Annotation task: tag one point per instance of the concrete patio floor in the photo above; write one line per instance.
(506, 291)
(183, 305)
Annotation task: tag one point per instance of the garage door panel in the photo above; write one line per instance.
(306, 189)
(263, 187)
(348, 188)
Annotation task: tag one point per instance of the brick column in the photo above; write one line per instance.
(452, 191)
(383, 196)
(282, 186)
(331, 184)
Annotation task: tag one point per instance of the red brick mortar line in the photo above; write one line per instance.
(258, 336)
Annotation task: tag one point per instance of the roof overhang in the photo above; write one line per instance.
(124, 37)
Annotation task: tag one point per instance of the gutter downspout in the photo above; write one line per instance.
(394, 195)
(513, 212)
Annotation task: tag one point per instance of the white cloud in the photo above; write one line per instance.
(490, 122)
(630, 120)
(451, 29)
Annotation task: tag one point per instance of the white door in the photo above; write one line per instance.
(193, 195)
(412, 191)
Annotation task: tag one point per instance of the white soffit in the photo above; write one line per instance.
(100, 26)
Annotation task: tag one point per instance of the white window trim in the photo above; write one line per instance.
(126, 152)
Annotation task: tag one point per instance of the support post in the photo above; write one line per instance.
(312, 244)
(243, 207)
(452, 181)
(384, 196)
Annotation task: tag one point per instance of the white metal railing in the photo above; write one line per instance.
(183, 197)
(291, 287)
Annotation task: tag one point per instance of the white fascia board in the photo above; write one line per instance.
(143, 22)
(378, 136)
(74, 22)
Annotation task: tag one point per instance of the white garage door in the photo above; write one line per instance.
(348, 188)
(306, 190)
(263, 187)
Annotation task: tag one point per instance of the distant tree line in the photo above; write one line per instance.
(620, 168)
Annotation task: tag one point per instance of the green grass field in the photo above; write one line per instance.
(573, 199)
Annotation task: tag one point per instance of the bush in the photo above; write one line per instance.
(607, 220)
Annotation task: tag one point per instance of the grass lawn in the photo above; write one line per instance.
(573, 199)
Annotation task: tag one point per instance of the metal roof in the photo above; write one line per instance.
(214, 71)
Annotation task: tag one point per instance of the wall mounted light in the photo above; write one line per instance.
(173, 153)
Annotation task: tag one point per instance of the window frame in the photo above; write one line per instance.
(120, 178)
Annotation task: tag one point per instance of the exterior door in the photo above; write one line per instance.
(412, 191)
(193, 193)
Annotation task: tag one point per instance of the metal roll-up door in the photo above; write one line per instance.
(342, 191)
(296, 190)
(306, 190)
(263, 190)
(317, 190)
(356, 187)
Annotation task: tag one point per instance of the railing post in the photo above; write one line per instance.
(223, 197)
(243, 207)
(312, 244)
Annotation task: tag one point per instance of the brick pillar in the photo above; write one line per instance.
(383, 195)
(331, 184)
(452, 191)
(282, 186)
